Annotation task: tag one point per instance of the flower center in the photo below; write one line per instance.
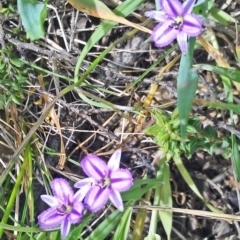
(105, 182)
(63, 209)
(177, 22)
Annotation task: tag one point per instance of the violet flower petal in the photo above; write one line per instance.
(76, 214)
(62, 190)
(94, 167)
(172, 8)
(188, 6)
(192, 25)
(159, 16)
(50, 200)
(84, 182)
(163, 35)
(182, 42)
(50, 218)
(121, 180)
(114, 161)
(80, 194)
(116, 200)
(65, 228)
(97, 198)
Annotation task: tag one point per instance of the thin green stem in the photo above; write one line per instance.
(14, 193)
(154, 217)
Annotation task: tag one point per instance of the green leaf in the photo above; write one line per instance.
(106, 226)
(91, 102)
(75, 233)
(188, 179)
(236, 156)
(15, 99)
(201, 7)
(152, 237)
(16, 62)
(41, 236)
(124, 225)
(195, 122)
(220, 16)
(194, 144)
(186, 87)
(139, 188)
(230, 73)
(210, 147)
(15, 86)
(229, 106)
(2, 101)
(21, 79)
(21, 229)
(191, 129)
(209, 132)
(33, 15)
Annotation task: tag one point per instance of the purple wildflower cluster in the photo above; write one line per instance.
(105, 181)
(176, 22)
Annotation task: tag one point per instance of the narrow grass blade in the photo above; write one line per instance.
(125, 9)
(139, 188)
(228, 106)
(15, 189)
(232, 74)
(162, 196)
(21, 229)
(220, 16)
(151, 67)
(236, 156)
(166, 199)
(188, 179)
(124, 225)
(106, 226)
(222, 63)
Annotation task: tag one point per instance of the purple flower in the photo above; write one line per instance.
(105, 181)
(65, 207)
(177, 21)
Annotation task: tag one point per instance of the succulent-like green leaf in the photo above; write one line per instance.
(33, 15)
(186, 86)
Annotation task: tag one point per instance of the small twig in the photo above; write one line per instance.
(2, 34)
(229, 128)
(61, 27)
(73, 23)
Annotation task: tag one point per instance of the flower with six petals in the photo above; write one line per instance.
(176, 22)
(65, 207)
(105, 181)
